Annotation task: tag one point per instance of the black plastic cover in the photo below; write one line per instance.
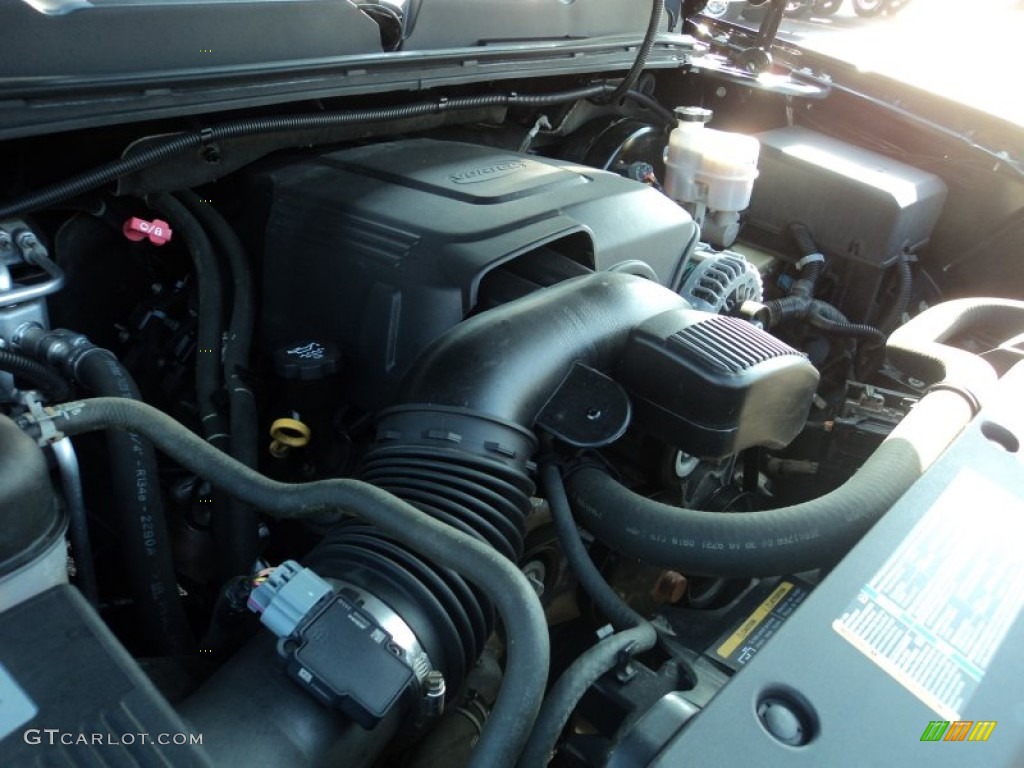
(714, 385)
(62, 670)
(31, 521)
(808, 177)
(381, 249)
(918, 631)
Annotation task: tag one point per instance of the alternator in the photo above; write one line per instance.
(719, 281)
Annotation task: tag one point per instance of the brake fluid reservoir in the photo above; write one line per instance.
(710, 173)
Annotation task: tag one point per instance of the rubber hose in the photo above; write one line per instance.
(179, 144)
(210, 323)
(240, 540)
(514, 597)
(146, 543)
(654, 21)
(573, 684)
(802, 537)
(144, 536)
(605, 598)
(817, 532)
(238, 345)
(36, 373)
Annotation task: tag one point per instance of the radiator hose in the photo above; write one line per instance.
(819, 532)
(144, 536)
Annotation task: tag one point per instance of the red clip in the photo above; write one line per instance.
(157, 231)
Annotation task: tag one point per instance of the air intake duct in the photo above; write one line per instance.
(459, 444)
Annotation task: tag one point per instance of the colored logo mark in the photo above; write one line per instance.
(958, 730)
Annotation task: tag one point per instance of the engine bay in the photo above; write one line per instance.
(373, 437)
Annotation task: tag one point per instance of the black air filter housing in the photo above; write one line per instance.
(381, 249)
(714, 385)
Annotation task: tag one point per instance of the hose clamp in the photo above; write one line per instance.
(43, 420)
(810, 258)
(40, 421)
(405, 644)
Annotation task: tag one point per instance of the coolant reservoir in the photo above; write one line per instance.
(711, 173)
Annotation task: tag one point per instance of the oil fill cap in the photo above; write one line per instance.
(307, 360)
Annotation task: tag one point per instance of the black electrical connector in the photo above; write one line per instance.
(336, 650)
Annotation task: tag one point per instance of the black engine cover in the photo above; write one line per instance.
(381, 249)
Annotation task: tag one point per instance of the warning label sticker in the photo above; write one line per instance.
(761, 625)
(936, 613)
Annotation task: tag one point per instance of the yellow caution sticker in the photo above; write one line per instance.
(763, 611)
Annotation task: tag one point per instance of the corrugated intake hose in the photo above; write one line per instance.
(144, 537)
(459, 446)
(494, 575)
(818, 532)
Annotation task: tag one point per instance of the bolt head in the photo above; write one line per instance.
(27, 240)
